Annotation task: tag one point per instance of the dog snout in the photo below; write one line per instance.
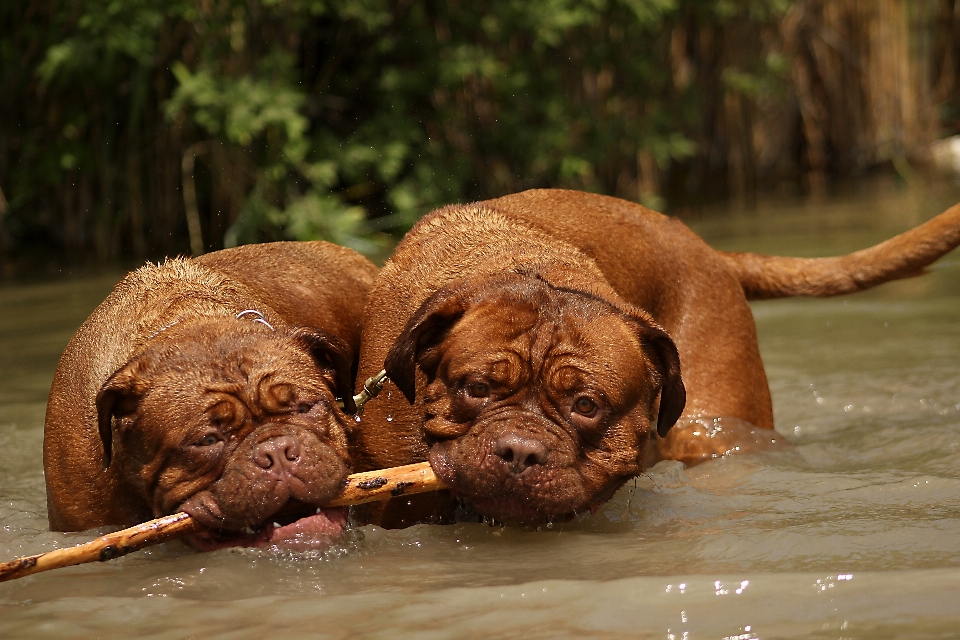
(276, 454)
(520, 453)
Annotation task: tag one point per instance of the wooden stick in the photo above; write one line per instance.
(368, 486)
(371, 486)
(112, 545)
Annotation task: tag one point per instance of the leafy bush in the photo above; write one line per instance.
(341, 119)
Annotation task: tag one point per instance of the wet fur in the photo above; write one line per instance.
(629, 261)
(134, 379)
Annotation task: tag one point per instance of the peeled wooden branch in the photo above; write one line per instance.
(112, 545)
(369, 486)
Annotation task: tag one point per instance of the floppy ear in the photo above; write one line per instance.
(425, 329)
(331, 353)
(666, 359)
(119, 396)
(673, 395)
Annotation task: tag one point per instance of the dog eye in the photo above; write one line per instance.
(208, 440)
(304, 407)
(478, 389)
(585, 406)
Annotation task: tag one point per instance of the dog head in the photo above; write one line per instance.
(234, 426)
(538, 400)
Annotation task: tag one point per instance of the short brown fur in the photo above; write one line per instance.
(147, 362)
(545, 272)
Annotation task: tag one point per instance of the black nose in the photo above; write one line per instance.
(276, 453)
(520, 453)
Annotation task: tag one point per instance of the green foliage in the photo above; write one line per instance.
(337, 119)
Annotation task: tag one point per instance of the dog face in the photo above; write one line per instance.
(234, 427)
(538, 400)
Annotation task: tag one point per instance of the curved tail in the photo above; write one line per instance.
(903, 256)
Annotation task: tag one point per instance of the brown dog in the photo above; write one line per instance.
(210, 386)
(540, 336)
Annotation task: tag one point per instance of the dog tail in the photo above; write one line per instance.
(904, 256)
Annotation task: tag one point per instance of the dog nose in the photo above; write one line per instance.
(276, 453)
(520, 453)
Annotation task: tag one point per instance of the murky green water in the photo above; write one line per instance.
(854, 532)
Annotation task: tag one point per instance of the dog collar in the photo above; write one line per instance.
(258, 317)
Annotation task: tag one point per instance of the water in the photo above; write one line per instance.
(853, 532)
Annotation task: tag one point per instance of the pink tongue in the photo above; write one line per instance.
(310, 532)
(316, 532)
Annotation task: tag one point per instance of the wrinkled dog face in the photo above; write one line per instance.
(230, 426)
(539, 400)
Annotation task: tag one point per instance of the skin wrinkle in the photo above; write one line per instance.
(174, 484)
(547, 341)
(254, 406)
(540, 233)
(167, 334)
(684, 302)
(169, 495)
(265, 489)
(554, 343)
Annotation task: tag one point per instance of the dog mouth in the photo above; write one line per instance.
(298, 527)
(553, 501)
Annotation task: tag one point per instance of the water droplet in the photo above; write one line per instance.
(357, 419)
(389, 418)
(549, 525)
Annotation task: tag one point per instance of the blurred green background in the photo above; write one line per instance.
(133, 129)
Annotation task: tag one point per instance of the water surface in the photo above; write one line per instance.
(852, 532)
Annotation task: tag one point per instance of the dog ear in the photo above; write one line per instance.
(331, 353)
(666, 359)
(118, 396)
(425, 329)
